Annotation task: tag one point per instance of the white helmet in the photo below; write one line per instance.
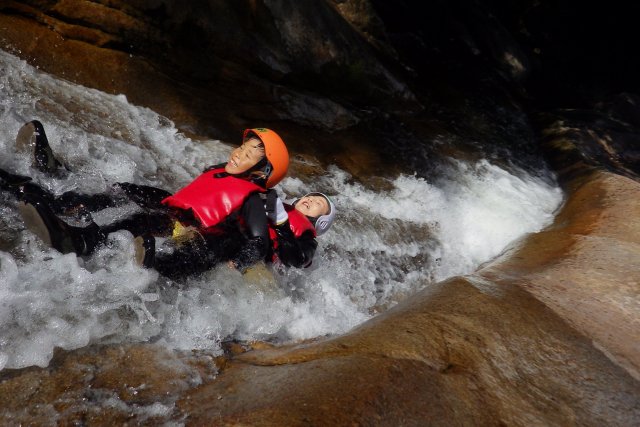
(323, 222)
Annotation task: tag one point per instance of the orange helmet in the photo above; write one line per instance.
(275, 151)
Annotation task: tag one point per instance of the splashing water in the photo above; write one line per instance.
(385, 245)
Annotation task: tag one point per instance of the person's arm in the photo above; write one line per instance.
(256, 232)
(292, 251)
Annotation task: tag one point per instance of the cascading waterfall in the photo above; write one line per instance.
(386, 244)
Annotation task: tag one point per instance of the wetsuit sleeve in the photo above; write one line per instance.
(292, 251)
(256, 231)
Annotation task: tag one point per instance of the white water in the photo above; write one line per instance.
(384, 246)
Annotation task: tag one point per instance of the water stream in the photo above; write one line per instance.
(386, 245)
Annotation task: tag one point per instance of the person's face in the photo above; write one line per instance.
(313, 206)
(245, 157)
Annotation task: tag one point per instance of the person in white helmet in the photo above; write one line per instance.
(293, 228)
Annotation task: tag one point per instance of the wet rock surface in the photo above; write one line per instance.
(336, 78)
(466, 351)
(102, 385)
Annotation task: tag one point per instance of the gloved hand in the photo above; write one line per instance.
(275, 209)
(182, 234)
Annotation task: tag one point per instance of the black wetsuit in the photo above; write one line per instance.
(242, 237)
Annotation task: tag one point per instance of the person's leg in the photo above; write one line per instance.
(69, 203)
(10, 182)
(173, 260)
(32, 137)
(143, 195)
(42, 221)
(151, 222)
(39, 207)
(18, 185)
(72, 201)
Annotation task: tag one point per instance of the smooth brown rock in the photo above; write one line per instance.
(586, 267)
(110, 70)
(217, 63)
(326, 74)
(462, 352)
(220, 108)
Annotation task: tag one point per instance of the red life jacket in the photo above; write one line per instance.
(213, 198)
(298, 223)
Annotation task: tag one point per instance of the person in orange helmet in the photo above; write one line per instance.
(218, 217)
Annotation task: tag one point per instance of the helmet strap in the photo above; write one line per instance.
(259, 174)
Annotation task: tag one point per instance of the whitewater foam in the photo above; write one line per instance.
(385, 245)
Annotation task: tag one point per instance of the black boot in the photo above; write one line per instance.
(41, 220)
(145, 247)
(32, 136)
